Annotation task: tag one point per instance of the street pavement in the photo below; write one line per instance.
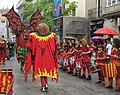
(67, 84)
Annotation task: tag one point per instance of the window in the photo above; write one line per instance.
(113, 2)
(118, 1)
(109, 3)
(73, 12)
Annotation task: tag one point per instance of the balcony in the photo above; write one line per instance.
(94, 13)
(113, 10)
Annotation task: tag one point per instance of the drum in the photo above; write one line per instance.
(72, 60)
(65, 62)
(78, 64)
(60, 60)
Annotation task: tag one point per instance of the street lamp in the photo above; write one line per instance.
(8, 35)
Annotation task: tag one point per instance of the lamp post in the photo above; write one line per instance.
(99, 1)
(8, 35)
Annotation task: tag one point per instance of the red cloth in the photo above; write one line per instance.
(100, 55)
(43, 49)
(2, 52)
(86, 56)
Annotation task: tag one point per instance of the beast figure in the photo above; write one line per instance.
(22, 31)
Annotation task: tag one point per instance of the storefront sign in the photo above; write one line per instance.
(118, 21)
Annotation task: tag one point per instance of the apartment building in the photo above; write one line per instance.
(4, 30)
(20, 8)
(103, 13)
(111, 13)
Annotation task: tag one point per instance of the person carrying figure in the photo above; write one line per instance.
(42, 55)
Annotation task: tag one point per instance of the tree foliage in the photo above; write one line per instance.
(45, 7)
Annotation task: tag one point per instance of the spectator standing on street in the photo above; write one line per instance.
(11, 48)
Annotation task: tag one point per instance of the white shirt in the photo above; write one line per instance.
(109, 48)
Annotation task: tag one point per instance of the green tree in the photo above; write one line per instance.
(45, 7)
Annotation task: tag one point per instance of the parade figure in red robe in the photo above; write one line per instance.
(42, 55)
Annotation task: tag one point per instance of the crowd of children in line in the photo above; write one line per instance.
(77, 57)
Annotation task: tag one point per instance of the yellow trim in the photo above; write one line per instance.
(3, 82)
(5, 85)
(115, 69)
(106, 70)
(42, 37)
(112, 72)
(47, 74)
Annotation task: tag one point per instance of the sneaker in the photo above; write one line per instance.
(117, 89)
(98, 82)
(83, 76)
(43, 89)
(89, 77)
(103, 83)
(46, 86)
(70, 72)
(74, 74)
(109, 87)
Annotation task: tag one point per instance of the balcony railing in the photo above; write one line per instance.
(95, 13)
(112, 9)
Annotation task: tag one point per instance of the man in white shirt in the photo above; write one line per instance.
(108, 47)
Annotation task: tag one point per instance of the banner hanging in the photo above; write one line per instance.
(56, 7)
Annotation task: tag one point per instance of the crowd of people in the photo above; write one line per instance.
(82, 59)
(79, 58)
(6, 50)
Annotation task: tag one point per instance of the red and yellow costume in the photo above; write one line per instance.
(118, 70)
(100, 62)
(43, 56)
(2, 52)
(86, 60)
(110, 68)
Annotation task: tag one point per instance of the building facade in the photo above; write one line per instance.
(4, 30)
(111, 13)
(20, 8)
(80, 10)
(103, 13)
